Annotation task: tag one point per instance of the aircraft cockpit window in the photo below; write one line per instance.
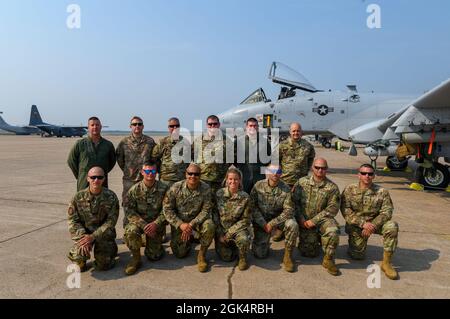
(354, 98)
(286, 92)
(257, 96)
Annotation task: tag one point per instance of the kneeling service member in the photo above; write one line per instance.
(317, 202)
(144, 216)
(272, 208)
(187, 208)
(367, 209)
(93, 214)
(232, 218)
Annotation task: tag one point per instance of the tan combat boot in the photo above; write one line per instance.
(329, 265)
(386, 266)
(135, 262)
(201, 259)
(287, 260)
(242, 265)
(278, 235)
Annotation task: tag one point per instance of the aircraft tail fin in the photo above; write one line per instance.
(2, 121)
(35, 117)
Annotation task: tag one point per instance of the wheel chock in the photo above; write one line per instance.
(416, 186)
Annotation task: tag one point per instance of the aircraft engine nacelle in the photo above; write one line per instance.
(373, 151)
(366, 133)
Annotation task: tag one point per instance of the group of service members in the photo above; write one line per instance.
(236, 205)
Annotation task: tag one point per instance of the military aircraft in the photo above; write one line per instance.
(362, 118)
(54, 130)
(18, 130)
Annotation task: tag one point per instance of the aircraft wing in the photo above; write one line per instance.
(431, 110)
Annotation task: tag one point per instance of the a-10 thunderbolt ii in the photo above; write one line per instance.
(378, 120)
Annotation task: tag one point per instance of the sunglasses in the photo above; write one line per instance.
(321, 168)
(97, 177)
(193, 174)
(148, 171)
(367, 173)
(137, 124)
(275, 171)
(213, 124)
(174, 126)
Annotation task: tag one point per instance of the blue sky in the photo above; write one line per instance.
(192, 58)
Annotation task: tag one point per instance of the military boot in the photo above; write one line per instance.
(287, 260)
(278, 235)
(386, 266)
(135, 262)
(242, 265)
(201, 259)
(329, 265)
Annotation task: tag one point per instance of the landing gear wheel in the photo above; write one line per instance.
(436, 177)
(326, 144)
(393, 163)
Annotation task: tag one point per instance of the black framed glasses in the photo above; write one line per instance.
(137, 124)
(97, 177)
(174, 126)
(324, 168)
(213, 124)
(193, 174)
(367, 173)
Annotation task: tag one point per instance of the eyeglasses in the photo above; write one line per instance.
(213, 124)
(324, 168)
(174, 126)
(367, 173)
(97, 177)
(193, 174)
(148, 171)
(275, 171)
(137, 124)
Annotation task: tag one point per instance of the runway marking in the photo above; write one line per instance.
(32, 231)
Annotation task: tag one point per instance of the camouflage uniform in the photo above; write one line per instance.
(145, 206)
(251, 167)
(85, 154)
(170, 172)
(295, 159)
(182, 205)
(232, 218)
(318, 202)
(94, 215)
(205, 150)
(131, 154)
(272, 205)
(368, 205)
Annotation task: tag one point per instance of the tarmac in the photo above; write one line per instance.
(36, 186)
